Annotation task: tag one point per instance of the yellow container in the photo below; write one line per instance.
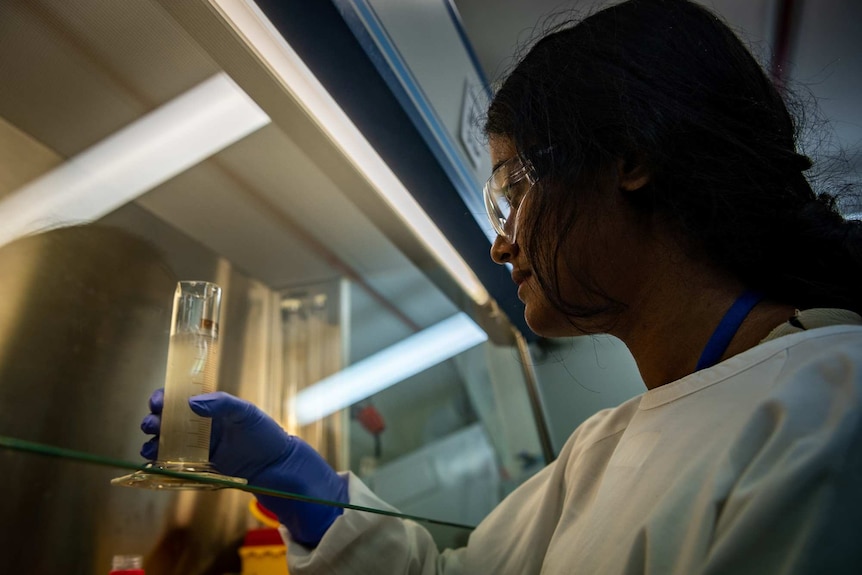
(264, 560)
(263, 552)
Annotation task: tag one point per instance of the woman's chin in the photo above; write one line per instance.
(547, 323)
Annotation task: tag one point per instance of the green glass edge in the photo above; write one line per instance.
(20, 445)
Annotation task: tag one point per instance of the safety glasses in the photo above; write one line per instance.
(505, 190)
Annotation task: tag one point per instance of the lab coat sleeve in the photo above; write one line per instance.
(365, 542)
(796, 506)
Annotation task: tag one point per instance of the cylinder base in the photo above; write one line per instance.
(174, 475)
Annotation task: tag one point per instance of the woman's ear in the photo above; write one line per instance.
(632, 173)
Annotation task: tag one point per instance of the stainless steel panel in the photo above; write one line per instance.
(84, 319)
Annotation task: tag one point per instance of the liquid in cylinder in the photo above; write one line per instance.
(191, 370)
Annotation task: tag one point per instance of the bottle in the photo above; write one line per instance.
(127, 565)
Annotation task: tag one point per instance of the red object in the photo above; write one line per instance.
(371, 419)
(266, 512)
(263, 536)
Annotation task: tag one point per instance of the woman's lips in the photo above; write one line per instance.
(519, 277)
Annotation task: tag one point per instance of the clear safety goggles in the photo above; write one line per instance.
(505, 190)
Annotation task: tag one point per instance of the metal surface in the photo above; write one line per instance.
(535, 399)
(84, 320)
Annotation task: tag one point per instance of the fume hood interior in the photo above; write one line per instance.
(316, 280)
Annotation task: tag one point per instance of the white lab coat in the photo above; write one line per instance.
(753, 466)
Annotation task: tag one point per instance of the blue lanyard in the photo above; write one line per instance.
(727, 327)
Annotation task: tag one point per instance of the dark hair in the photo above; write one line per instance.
(666, 85)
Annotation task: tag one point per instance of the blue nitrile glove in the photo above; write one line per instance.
(248, 443)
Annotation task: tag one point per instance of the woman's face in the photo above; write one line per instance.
(603, 249)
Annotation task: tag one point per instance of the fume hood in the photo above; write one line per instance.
(331, 194)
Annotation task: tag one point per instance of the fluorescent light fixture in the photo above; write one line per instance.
(247, 19)
(134, 160)
(388, 367)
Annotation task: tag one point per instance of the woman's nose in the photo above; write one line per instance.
(502, 250)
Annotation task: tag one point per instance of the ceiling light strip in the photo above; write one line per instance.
(149, 151)
(394, 364)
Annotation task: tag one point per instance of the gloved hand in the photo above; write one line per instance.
(247, 443)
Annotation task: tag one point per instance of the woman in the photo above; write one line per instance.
(647, 185)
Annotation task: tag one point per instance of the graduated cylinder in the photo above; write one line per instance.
(192, 369)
